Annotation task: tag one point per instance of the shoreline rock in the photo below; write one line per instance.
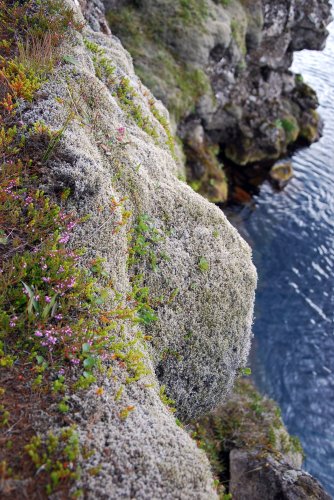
(252, 454)
(224, 67)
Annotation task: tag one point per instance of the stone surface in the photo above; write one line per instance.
(256, 477)
(280, 174)
(115, 149)
(237, 56)
(252, 452)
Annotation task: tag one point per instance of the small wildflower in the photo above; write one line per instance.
(70, 225)
(47, 299)
(120, 134)
(64, 238)
(13, 321)
(28, 200)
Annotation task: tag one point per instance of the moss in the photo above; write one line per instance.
(247, 421)
(177, 83)
(203, 264)
(213, 183)
(238, 31)
(290, 126)
(309, 127)
(127, 97)
(63, 320)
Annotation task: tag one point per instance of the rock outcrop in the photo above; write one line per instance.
(184, 271)
(254, 477)
(252, 452)
(222, 69)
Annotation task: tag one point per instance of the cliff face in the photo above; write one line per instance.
(231, 58)
(158, 306)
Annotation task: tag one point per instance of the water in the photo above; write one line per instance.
(292, 235)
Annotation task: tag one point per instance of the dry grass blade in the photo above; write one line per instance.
(38, 54)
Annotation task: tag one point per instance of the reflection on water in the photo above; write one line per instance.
(292, 235)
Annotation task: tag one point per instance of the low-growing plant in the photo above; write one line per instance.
(57, 456)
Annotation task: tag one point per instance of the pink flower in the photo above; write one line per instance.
(70, 225)
(13, 321)
(64, 238)
(47, 299)
(28, 200)
(120, 134)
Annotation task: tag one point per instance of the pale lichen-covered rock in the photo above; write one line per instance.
(116, 156)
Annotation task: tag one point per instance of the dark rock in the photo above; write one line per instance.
(227, 68)
(252, 476)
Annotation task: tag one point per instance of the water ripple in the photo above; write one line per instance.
(292, 235)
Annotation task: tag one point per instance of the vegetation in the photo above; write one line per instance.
(126, 95)
(57, 456)
(290, 126)
(61, 324)
(183, 83)
(247, 421)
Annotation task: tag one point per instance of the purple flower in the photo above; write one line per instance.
(70, 225)
(28, 200)
(64, 238)
(13, 321)
(47, 299)
(120, 134)
(38, 333)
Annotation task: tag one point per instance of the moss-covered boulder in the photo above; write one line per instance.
(126, 298)
(252, 454)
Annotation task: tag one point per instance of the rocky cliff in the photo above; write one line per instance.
(126, 297)
(222, 69)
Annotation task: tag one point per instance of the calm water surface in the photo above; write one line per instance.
(292, 236)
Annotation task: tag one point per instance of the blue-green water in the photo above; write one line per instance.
(292, 236)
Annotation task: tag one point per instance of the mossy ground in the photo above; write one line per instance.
(155, 61)
(62, 325)
(248, 421)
